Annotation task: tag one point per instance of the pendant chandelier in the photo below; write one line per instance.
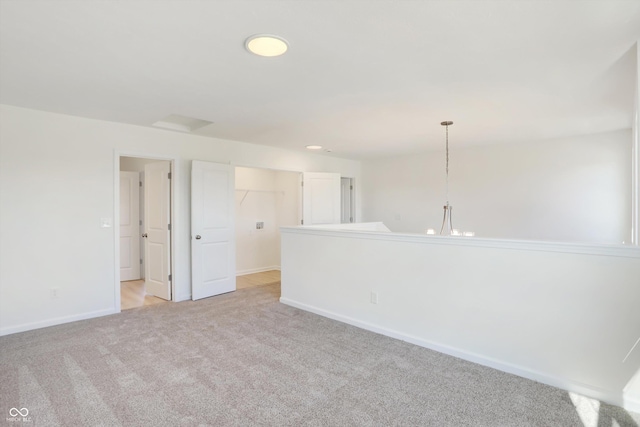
(447, 222)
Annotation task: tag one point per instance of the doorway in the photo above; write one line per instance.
(145, 231)
(265, 200)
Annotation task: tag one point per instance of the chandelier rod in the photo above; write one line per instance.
(447, 220)
(447, 131)
(446, 124)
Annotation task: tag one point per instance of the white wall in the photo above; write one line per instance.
(267, 196)
(633, 387)
(134, 164)
(57, 179)
(572, 189)
(559, 313)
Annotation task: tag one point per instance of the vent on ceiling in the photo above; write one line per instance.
(181, 123)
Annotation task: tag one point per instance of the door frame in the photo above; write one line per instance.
(271, 169)
(136, 258)
(174, 167)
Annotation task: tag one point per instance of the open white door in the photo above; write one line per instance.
(213, 251)
(157, 225)
(321, 198)
(129, 226)
(346, 203)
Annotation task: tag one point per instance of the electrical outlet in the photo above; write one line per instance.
(374, 297)
(54, 293)
(259, 225)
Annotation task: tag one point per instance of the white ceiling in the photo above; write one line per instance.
(363, 78)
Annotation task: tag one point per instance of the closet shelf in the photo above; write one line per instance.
(247, 191)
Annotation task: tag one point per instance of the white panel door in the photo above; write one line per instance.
(157, 220)
(213, 252)
(321, 198)
(129, 226)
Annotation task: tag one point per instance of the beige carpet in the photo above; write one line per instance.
(245, 359)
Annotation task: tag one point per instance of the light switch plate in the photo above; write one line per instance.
(105, 222)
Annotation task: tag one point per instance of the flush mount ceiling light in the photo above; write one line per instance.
(314, 147)
(266, 45)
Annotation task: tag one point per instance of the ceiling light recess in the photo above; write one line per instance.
(266, 45)
(181, 123)
(314, 147)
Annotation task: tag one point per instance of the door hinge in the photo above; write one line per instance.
(169, 277)
(302, 222)
(351, 219)
(169, 226)
(169, 176)
(140, 261)
(140, 183)
(302, 183)
(140, 222)
(351, 187)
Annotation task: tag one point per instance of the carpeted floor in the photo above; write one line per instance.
(245, 359)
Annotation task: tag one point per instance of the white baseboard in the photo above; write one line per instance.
(608, 396)
(257, 270)
(56, 321)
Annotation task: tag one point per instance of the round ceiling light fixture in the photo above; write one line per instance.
(314, 147)
(266, 45)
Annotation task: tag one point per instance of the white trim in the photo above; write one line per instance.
(175, 169)
(608, 396)
(354, 214)
(257, 270)
(525, 245)
(56, 321)
(116, 232)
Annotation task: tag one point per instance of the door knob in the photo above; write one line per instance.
(144, 235)
(198, 237)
